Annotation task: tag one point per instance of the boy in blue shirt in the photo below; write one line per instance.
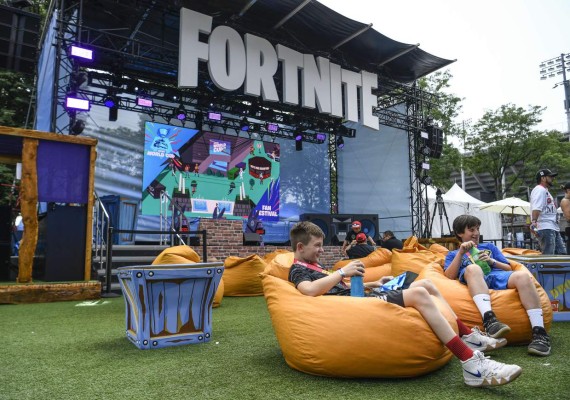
(459, 265)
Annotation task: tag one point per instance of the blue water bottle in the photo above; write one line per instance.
(357, 286)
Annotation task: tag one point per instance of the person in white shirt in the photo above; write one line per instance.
(544, 217)
(565, 206)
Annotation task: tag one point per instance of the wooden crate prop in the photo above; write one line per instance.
(553, 274)
(169, 305)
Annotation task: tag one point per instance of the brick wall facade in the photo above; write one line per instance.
(225, 238)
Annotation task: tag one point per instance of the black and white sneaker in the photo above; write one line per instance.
(493, 327)
(540, 345)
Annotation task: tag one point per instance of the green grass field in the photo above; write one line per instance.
(68, 350)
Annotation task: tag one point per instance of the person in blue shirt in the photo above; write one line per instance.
(459, 264)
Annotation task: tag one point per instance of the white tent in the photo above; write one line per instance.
(457, 202)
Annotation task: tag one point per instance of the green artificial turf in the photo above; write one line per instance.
(71, 351)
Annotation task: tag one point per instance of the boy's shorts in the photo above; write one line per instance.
(497, 279)
(390, 296)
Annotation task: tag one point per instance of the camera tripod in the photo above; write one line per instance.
(440, 206)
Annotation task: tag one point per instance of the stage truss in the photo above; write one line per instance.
(146, 68)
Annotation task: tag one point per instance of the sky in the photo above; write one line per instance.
(498, 45)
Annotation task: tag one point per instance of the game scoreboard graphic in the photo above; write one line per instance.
(209, 175)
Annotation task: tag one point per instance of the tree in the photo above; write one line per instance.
(553, 152)
(504, 138)
(445, 110)
(15, 93)
(447, 106)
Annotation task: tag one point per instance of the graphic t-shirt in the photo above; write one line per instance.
(496, 254)
(300, 273)
(542, 200)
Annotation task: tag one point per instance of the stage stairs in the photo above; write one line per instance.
(122, 256)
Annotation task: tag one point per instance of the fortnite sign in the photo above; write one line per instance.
(252, 62)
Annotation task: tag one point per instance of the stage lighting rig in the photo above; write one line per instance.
(340, 142)
(180, 112)
(214, 116)
(244, 125)
(142, 102)
(426, 180)
(298, 141)
(81, 53)
(111, 101)
(75, 103)
(271, 127)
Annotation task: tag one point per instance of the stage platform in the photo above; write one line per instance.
(15, 293)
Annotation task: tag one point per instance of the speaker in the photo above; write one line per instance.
(5, 253)
(336, 226)
(323, 221)
(251, 239)
(61, 240)
(19, 32)
(435, 141)
(5, 242)
(369, 224)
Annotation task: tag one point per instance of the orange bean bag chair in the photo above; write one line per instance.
(377, 264)
(241, 276)
(414, 257)
(515, 251)
(351, 337)
(270, 256)
(186, 255)
(506, 303)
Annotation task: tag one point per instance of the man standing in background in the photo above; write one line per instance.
(544, 217)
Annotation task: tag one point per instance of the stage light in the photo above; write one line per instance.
(214, 116)
(144, 102)
(424, 135)
(321, 137)
(340, 142)
(426, 180)
(244, 125)
(111, 101)
(78, 80)
(180, 112)
(271, 127)
(81, 52)
(425, 150)
(73, 103)
(298, 141)
(77, 126)
(198, 119)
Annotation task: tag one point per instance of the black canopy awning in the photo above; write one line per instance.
(304, 25)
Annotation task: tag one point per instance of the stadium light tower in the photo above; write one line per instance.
(553, 68)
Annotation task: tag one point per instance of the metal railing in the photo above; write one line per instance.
(167, 204)
(103, 231)
(101, 238)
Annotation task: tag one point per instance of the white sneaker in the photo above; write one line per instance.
(481, 371)
(478, 340)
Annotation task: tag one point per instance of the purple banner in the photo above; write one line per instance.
(63, 172)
